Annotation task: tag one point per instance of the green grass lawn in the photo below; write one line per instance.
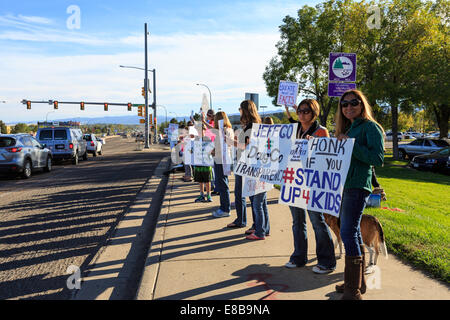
(420, 234)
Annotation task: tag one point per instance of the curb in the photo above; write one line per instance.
(149, 277)
(115, 271)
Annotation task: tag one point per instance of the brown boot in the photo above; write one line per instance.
(352, 278)
(340, 287)
(363, 270)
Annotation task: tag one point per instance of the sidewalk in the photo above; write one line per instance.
(194, 256)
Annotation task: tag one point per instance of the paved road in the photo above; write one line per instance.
(62, 218)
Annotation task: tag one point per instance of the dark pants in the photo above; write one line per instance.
(324, 242)
(240, 203)
(260, 214)
(222, 188)
(352, 207)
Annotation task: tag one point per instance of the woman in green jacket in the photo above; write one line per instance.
(354, 119)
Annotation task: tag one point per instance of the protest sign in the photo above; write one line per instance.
(266, 156)
(225, 159)
(287, 93)
(198, 153)
(315, 175)
(172, 134)
(250, 187)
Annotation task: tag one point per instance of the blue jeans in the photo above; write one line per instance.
(240, 203)
(352, 207)
(222, 188)
(260, 214)
(324, 242)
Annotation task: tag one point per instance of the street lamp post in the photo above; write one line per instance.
(210, 96)
(46, 117)
(263, 107)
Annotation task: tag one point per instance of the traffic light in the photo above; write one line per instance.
(82, 105)
(150, 120)
(141, 111)
(28, 105)
(129, 106)
(55, 105)
(106, 106)
(143, 92)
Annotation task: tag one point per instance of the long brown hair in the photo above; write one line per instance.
(313, 105)
(342, 123)
(221, 116)
(249, 113)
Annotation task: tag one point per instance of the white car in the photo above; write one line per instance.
(389, 136)
(92, 145)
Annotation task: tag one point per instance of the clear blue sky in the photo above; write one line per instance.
(224, 44)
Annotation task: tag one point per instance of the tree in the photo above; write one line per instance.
(20, 128)
(303, 52)
(431, 67)
(2, 127)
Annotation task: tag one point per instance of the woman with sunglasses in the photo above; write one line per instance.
(354, 119)
(309, 128)
(249, 115)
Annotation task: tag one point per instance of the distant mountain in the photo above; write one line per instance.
(134, 120)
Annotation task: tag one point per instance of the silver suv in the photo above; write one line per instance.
(65, 143)
(22, 153)
(421, 146)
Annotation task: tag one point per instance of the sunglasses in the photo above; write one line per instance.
(353, 103)
(304, 111)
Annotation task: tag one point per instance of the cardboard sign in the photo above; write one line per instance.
(250, 187)
(287, 93)
(198, 153)
(226, 159)
(267, 155)
(315, 175)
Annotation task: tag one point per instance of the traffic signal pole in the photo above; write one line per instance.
(147, 145)
(155, 134)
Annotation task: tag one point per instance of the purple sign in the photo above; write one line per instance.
(342, 67)
(338, 89)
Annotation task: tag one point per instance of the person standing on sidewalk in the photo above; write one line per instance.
(264, 209)
(354, 119)
(209, 123)
(222, 178)
(249, 115)
(309, 128)
(203, 175)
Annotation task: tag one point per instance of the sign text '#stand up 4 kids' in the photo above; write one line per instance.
(315, 174)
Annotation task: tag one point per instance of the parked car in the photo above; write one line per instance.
(421, 146)
(438, 160)
(66, 143)
(22, 153)
(389, 136)
(93, 145)
(412, 135)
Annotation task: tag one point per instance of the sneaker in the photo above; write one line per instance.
(290, 265)
(321, 270)
(200, 199)
(220, 214)
(208, 198)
